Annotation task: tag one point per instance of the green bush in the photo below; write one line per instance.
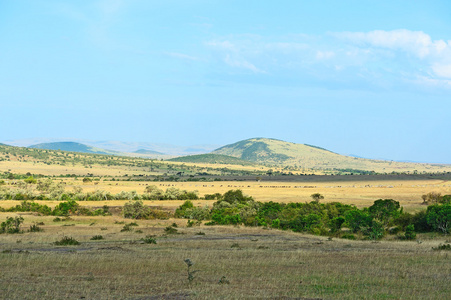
(410, 232)
(348, 236)
(336, 223)
(65, 208)
(180, 212)
(30, 180)
(135, 210)
(11, 225)
(35, 228)
(446, 247)
(149, 239)
(170, 230)
(67, 241)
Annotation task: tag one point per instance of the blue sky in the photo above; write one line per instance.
(370, 78)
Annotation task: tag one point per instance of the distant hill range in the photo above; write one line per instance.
(82, 148)
(74, 147)
(149, 152)
(154, 150)
(265, 151)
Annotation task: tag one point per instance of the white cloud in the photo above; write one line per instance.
(442, 70)
(414, 42)
(224, 45)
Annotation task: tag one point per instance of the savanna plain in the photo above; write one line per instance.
(113, 256)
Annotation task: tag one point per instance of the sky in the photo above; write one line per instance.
(368, 78)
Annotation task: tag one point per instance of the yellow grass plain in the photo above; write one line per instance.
(361, 193)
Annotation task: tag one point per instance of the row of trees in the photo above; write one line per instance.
(384, 216)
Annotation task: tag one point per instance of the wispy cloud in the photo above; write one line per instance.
(241, 63)
(183, 56)
(414, 42)
(382, 58)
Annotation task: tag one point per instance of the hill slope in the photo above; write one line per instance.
(281, 153)
(213, 159)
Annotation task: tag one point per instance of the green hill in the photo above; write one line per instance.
(74, 147)
(280, 153)
(213, 159)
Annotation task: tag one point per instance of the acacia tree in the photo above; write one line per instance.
(316, 197)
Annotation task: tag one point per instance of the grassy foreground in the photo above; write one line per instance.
(253, 262)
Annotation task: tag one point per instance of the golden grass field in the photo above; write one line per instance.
(359, 193)
(257, 264)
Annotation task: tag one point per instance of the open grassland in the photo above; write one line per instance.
(252, 262)
(232, 262)
(359, 193)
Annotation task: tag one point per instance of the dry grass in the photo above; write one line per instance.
(266, 264)
(359, 193)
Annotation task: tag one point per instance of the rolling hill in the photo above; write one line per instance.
(280, 153)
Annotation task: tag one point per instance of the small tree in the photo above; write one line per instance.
(432, 198)
(317, 197)
(376, 231)
(385, 210)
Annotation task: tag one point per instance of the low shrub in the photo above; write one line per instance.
(149, 239)
(170, 230)
(348, 236)
(67, 241)
(127, 227)
(35, 228)
(446, 247)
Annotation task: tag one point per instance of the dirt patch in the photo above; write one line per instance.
(113, 248)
